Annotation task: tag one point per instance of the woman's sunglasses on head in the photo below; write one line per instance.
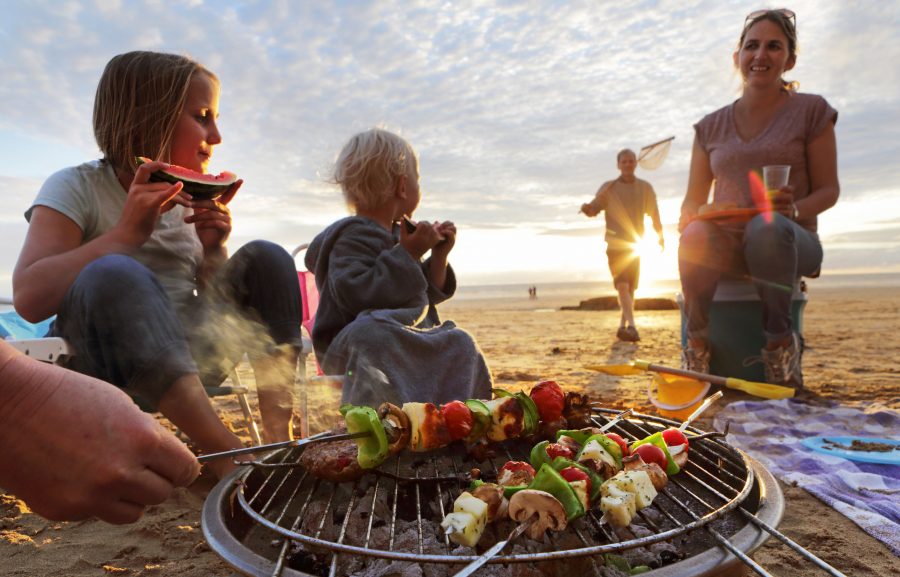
(787, 14)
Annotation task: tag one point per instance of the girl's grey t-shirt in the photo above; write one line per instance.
(802, 118)
(91, 196)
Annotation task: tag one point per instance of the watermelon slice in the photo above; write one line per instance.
(200, 186)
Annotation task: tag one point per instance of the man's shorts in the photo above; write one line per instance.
(625, 267)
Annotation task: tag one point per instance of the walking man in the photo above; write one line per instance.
(626, 200)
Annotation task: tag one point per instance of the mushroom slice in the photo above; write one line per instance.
(492, 494)
(543, 509)
(397, 427)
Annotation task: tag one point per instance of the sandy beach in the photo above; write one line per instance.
(852, 337)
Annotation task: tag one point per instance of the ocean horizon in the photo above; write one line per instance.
(659, 288)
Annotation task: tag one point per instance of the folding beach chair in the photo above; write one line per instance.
(309, 294)
(29, 339)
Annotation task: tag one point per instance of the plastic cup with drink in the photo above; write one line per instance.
(775, 176)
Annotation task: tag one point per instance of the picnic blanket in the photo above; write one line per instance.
(867, 493)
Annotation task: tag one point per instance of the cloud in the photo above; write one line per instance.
(515, 108)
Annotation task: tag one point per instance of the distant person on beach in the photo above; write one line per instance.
(377, 322)
(626, 200)
(138, 271)
(74, 447)
(771, 123)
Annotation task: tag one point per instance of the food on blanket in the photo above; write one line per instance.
(549, 399)
(652, 454)
(542, 508)
(865, 446)
(198, 185)
(466, 523)
(623, 495)
(459, 419)
(716, 207)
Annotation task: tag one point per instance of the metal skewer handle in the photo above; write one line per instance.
(493, 551)
(323, 437)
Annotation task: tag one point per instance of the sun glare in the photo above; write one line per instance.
(656, 265)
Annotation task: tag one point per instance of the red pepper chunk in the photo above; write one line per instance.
(550, 400)
(555, 450)
(458, 418)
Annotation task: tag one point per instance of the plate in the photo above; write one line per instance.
(825, 445)
(730, 214)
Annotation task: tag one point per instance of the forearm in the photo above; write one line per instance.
(817, 202)
(39, 288)
(437, 271)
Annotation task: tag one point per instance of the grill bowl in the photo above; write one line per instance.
(244, 538)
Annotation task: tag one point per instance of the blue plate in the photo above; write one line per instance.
(826, 445)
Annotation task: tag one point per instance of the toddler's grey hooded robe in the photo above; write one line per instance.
(377, 324)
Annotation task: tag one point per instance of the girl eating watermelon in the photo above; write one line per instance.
(137, 270)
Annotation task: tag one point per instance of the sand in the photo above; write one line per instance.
(853, 339)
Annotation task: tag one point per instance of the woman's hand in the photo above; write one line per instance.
(145, 202)
(212, 219)
(783, 201)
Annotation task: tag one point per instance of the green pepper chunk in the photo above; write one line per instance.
(538, 455)
(640, 569)
(560, 463)
(548, 480)
(672, 467)
(609, 445)
(372, 449)
(580, 435)
(508, 490)
(481, 419)
(532, 416)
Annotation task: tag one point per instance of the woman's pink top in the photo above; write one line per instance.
(784, 141)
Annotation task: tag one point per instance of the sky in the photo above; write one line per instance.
(516, 110)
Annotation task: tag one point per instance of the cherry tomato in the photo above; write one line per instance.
(674, 437)
(652, 454)
(458, 418)
(619, 441)
(575, 474)
(555, 450)
(515, 473)
(550, 400)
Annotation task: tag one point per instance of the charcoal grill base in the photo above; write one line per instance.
(226, 527)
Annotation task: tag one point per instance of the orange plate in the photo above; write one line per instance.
(730, 214)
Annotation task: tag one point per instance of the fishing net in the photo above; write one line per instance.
(652, 156)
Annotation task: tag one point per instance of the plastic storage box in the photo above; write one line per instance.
(735, 328)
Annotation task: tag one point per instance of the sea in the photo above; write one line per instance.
(577, 291)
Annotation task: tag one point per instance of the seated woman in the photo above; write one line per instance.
(769, 124)
(377, 322)
(137, 271)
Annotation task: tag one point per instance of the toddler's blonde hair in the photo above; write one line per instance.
(369, 165)
(138, 102)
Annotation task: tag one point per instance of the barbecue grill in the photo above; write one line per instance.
(274, 518)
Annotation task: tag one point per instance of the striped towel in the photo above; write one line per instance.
(867, 493)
